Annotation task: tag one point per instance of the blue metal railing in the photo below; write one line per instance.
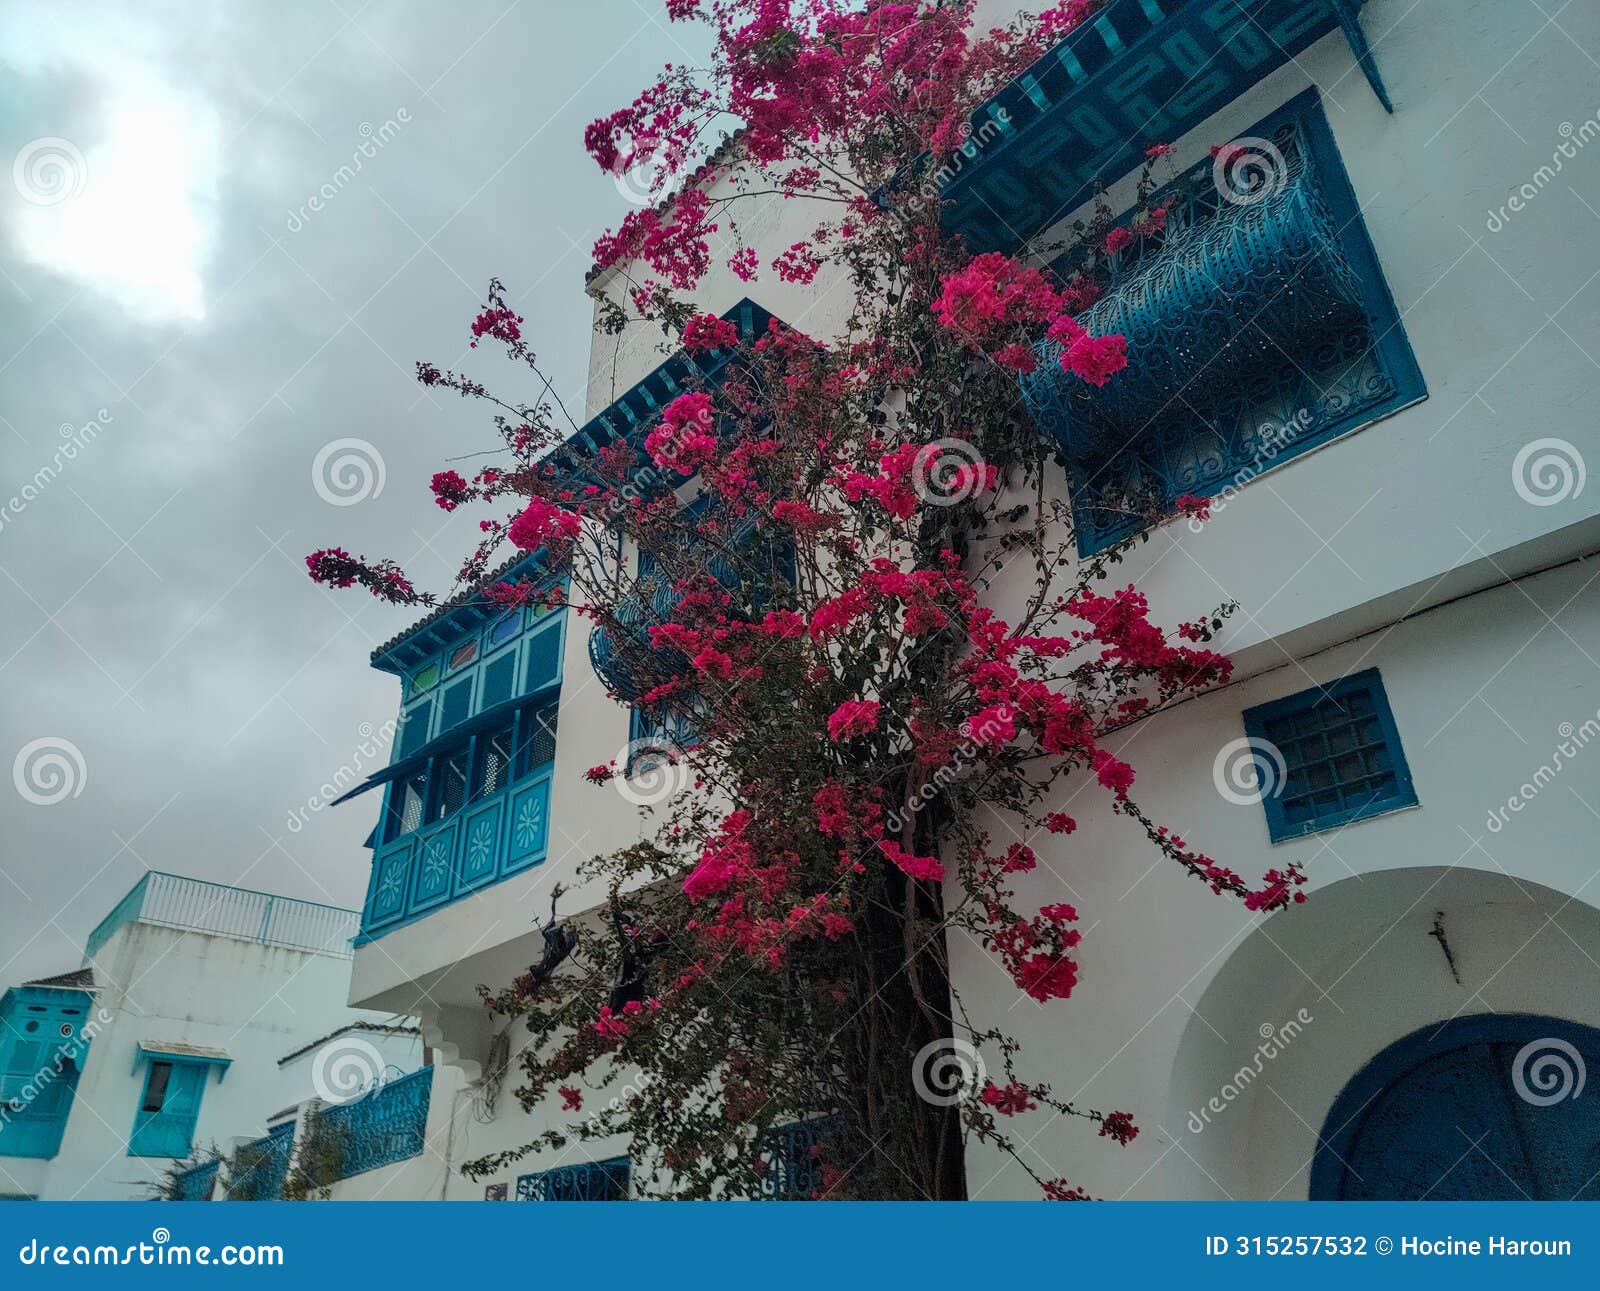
(263, 1165)
(386, 1126)
(588, 1181)
(197, 1182)
(172, 901)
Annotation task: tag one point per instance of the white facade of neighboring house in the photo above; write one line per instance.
(167, 1043)
(1427, 556)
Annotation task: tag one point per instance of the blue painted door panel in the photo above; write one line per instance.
(169, 1132)
(1485, 1108)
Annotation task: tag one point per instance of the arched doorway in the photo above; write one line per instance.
(1495, 1106)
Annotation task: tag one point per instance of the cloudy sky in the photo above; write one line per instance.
(183, 333)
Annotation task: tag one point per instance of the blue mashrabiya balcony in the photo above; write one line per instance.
(1138, 72)
(737, 556)
(467, 794)
(1259, 326)
(43, 1045)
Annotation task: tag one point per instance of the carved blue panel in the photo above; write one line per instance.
(480, 844)
(529, 827)
(1493, 1107)
(391, 882)
(435, 865)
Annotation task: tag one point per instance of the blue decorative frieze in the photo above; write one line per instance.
(259, 1168)
(1258, 323)
(197, 1182)
(1139, 72)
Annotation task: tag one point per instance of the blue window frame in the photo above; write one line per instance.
(588, 1181)
(1332, 755)
(169, 1106)
(1259, 327)
(43, 1046)
(793, 1156)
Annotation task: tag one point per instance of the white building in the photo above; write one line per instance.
(166, 1044)
(1413, 552)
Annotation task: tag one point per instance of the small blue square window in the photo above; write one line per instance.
(1329, 755)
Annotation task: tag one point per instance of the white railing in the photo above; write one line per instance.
(172, 901)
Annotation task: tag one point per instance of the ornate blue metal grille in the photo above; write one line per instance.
(263, 1166)
(196, 1183)
(793, 1156)
(590, 1181)
(386, 1126)
(1259, 326)
(1330, 756)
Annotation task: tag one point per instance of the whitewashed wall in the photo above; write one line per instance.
(253, 1001)
(1390, 548)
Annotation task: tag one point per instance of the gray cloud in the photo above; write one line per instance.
(154, 610)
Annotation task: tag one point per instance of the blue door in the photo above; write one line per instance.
(1481, 1108)
(168, 1109)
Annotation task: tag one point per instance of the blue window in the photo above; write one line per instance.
(43, 1045)
(590, 1181)
(1259, 327)
(1331, 755)
(793, 1156)
(168, 1108)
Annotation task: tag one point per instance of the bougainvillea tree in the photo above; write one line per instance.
(807, 585)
